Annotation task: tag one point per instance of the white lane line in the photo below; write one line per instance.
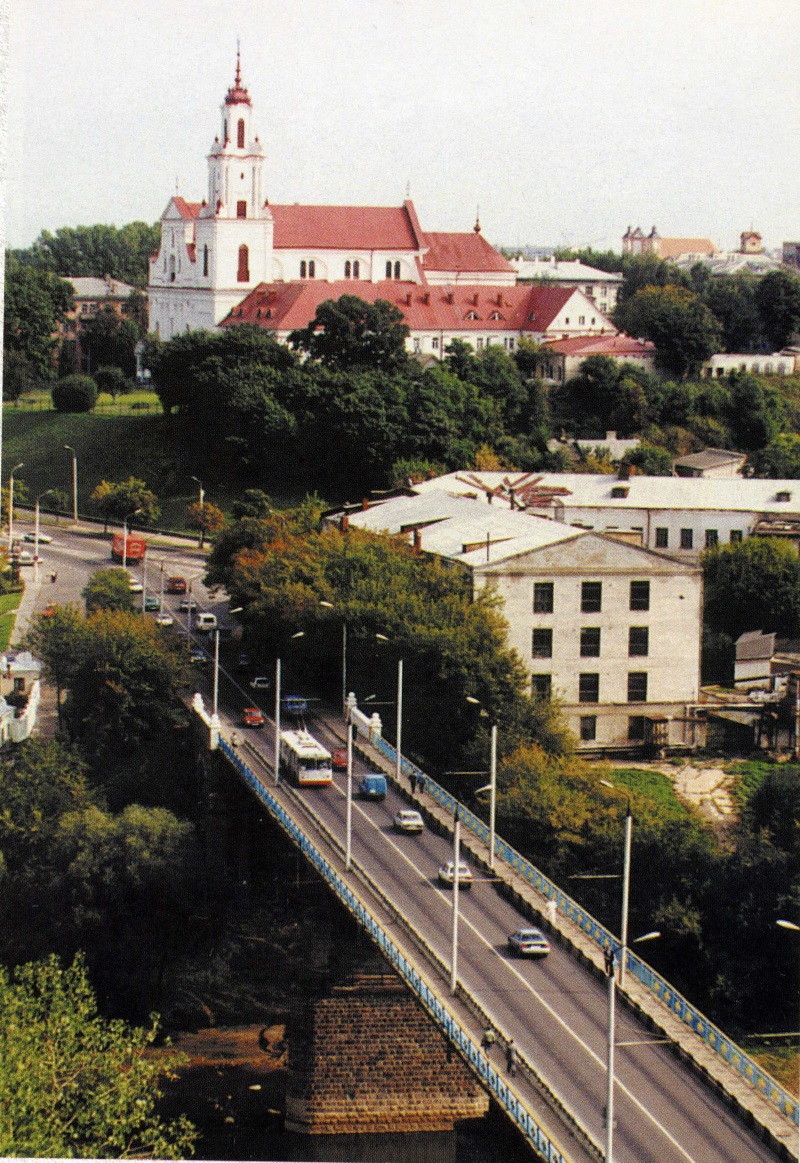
(619, 1086)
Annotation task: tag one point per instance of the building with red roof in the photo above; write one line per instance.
(562, 357)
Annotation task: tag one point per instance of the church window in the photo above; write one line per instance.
(347, 269)
(311, 268)
(241, 209)
(480, 345)
(302, 268)
(397, 270)
(240, 133)
(172, 268)
(389, 269)
(243, 273)
(356, 269)
(205, 260)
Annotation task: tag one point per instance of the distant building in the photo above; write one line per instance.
(602, 287)
(711, 462)
(615, 446)
(92, 295)
(790, 254)
(635, 242)
(561, 358)
(779, 363)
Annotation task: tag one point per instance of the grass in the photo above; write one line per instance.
(8, 605)
(650, 785)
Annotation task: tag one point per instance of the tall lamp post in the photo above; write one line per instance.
(74, 483)
(456, 861)
(202, 512)
(626, 878)
(36, 535)
(491, 787)
(125, 521)
(795, 929)
(299, 634)
(331, 606)
(399, 724)
(11, 503)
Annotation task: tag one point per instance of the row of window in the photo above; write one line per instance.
(589, 686)
(638, 642)
(636, 728)
(687, 537)
(591, 597)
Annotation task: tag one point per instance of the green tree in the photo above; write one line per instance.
(778, 298)
(754, 413)
(109, 341)
(649, 460)
(752, 585)
(677, 321)
(35, 303)
(350, 333)
(73, 1084)
(39, 781)
(111, 380)
(108, 589)
(59, 641)
(122, 253)
(780, 458)
(734, 302)
(74, 393)
(118, 500)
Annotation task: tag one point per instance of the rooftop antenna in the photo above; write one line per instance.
(408, 189)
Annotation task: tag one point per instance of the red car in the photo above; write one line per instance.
(176, 585)
(339, 759)
(252, 717)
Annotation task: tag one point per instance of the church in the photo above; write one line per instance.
(236, 258)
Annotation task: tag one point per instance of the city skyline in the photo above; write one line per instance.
(562, 128)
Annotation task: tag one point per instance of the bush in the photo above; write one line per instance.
(74, 393)
(113, 381)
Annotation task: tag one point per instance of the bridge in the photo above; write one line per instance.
(683, 1092)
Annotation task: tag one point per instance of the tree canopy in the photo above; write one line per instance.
(35, 302)
(75, 251)
(350, 333)
(120, 499)
(677, 321)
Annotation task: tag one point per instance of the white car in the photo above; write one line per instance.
(447, 877)
(187, 604)
(528, 943)
(260, 683)
(44, 538)
(407, 820)
(165, 620)
(25, 558)
(135, 586)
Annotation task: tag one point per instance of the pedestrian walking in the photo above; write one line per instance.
(54, 575)
(552, 909)
(608, 955)
(488, 1040)
(413, 783)
(512, 1058)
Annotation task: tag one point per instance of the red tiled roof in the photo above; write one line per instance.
(287, 306)
(613, 345)
(674, 247)
(186, 209)
(462, 252)
(343, 228)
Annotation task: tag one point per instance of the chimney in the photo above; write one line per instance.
(625, 472)
(344, 525)
(417, 541)
(364, 504)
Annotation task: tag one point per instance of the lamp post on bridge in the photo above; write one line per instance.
(36, 535)
(277, 753)
(11, 503)
(795, 929)
(626, 877)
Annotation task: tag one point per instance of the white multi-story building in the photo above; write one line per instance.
(602, 287)
(611, 630)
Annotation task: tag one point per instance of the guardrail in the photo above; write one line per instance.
(784, 1102)
(438, 1011)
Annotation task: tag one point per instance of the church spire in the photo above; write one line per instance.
(237, 94)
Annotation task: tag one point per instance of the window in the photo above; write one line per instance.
(588, 728)
(687, 539)
(712, 538)
(311, 268)
(347, 269)
(389, 270)
(356, 269)
(637, 686)
(736, 536)
(640, 595)
(417, 346)
(636, 728)
(397, 270)
(590, 642)
(541, 685)
(480, 345)
(638, 641)
(241, 209)
(205, 260)
(302, 268)
(435, 343)
(240, 135)
(588, 688)
(591, 597)
(542, 597)
(662, 537)
(542, 646)
(172, 268)
(581, 319)
(243, 273)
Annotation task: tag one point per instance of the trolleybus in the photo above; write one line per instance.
(304, 759)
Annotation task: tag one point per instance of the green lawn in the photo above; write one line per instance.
(8, 604)
(652, 785)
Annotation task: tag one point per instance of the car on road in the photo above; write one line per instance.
(187, 604)
(135, 586)
(528, 943)
(206, 621)
(48, 610)
(176, 585)
(260, 683)
(339, 759)
(407, 820)
(152, 602)
(372, 786)
(198, 657)
(446, 875)
(25, 557)
(44, 538)
(252, 717)
(165, 619)
(243, 661)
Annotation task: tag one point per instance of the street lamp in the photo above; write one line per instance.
(795, 929)
(277, 759)
(349, 828)
(491, 787)
(36, 535)
(456, 860)
(125, 521)
(626, 876)
(610, 959)
(74, 482)
(11, 503)
(202, 511)
(399, 724)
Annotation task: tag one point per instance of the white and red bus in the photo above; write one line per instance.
(304, 759)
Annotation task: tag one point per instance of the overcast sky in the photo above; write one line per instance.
(565, 122)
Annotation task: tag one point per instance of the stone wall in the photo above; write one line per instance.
(368, 1058)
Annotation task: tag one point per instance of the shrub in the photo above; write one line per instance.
(112, 380)
(74, 393)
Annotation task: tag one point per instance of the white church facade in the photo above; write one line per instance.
(236, 258)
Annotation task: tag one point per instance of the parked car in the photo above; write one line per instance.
(176, 585)
(339, 759)
(528, 943)
(44, 538)
(407, 820)
(252, 717)
(152, 602)
(260, 683)
(447, 876)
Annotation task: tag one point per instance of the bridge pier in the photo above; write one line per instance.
(366, 1058)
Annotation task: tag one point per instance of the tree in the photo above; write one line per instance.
(35, 303)
(350, 333)
(205, 517)
(58, 640)
(677, 321)
(122, 253)
(752, 585)
(649, 460)
(734, 301)
(111, 380)
(755, 414)
(74, 393)
(118, 500)
(778, 298)
(73, 1084)
(108, 589)
(39, 781)
(110, 341)
(780, 458)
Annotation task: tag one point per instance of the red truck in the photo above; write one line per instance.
(132, 552)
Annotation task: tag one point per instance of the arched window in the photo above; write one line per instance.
(302, 268)
(356, 269)
(205, 260)
(347, 269)
(397, 270)
(241, 209)
(240, 133)
(172, 268)
(389, 270)
(311, 268)
(243, 273)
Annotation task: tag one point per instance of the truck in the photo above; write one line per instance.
(132, 551)
(372, 786)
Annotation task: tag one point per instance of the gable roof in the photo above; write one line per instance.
(184, 208)
(468, 251)
(673, 247)
(612, 345)
(350, 228)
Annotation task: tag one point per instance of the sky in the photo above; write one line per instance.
(564, 123)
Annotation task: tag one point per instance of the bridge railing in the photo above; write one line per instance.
(668, 996)
(423, 990)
